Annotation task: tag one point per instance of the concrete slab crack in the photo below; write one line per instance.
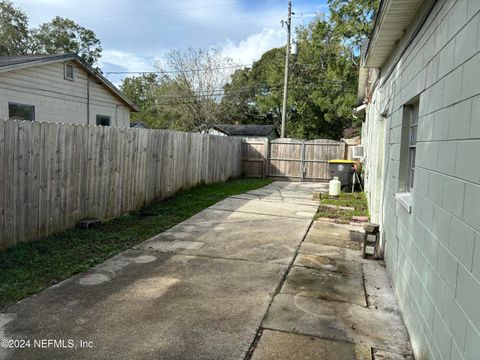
(249, 354)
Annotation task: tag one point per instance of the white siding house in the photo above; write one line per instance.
(60, 88)
(421, 82)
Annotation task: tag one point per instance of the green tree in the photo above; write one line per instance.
(353, 19)
(323, 78)
(321, 87)
(237, 99)
(141, 90)
(254, 95)
(59, 36)
(14, 33)
(323, 83)
(146, 91)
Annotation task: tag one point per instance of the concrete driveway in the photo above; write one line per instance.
(197, 291)
(251, 277)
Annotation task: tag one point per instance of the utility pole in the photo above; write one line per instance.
(287, 58)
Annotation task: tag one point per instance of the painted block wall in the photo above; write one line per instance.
(433, 253)
(59, 100)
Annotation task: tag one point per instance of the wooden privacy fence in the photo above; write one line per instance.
(290, 159)
(254, 155)
(53, 175)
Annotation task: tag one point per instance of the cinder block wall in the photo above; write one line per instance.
(433, 253)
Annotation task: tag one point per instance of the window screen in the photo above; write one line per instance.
(103, 120)
(21, 111)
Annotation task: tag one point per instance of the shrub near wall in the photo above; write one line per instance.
(53, 175)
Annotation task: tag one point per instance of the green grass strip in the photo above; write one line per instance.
(28, 268)
(358, 201)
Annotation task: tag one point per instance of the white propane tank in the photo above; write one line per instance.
(334, 187)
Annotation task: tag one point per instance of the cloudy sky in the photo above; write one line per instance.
(135, 33)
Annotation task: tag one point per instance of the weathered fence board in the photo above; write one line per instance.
(2, 175)
(53, 175)
(255, 153)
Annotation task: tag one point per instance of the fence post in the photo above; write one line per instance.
(343, 148)
(302, 162)
(266, 155)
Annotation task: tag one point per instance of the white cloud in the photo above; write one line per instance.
(251, 49)
(126, 61)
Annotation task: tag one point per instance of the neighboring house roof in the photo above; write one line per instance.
(351, 132)
(246, 130)
(10, 63)
(138, 125)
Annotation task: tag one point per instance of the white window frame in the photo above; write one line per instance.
(408, 146)
(412, 144)
(65, 66)
(408, 152)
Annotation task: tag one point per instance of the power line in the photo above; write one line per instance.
(221, 92)
(177, 71)
(158, 11)
(191, 24)
(337, 85)
(185, 101)
(308, 66)
(239, 66)
(172, 97)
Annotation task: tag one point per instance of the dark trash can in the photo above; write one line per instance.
(343, 169)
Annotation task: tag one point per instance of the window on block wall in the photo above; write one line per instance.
(408, 146)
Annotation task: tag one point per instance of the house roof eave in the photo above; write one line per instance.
(384, 36)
